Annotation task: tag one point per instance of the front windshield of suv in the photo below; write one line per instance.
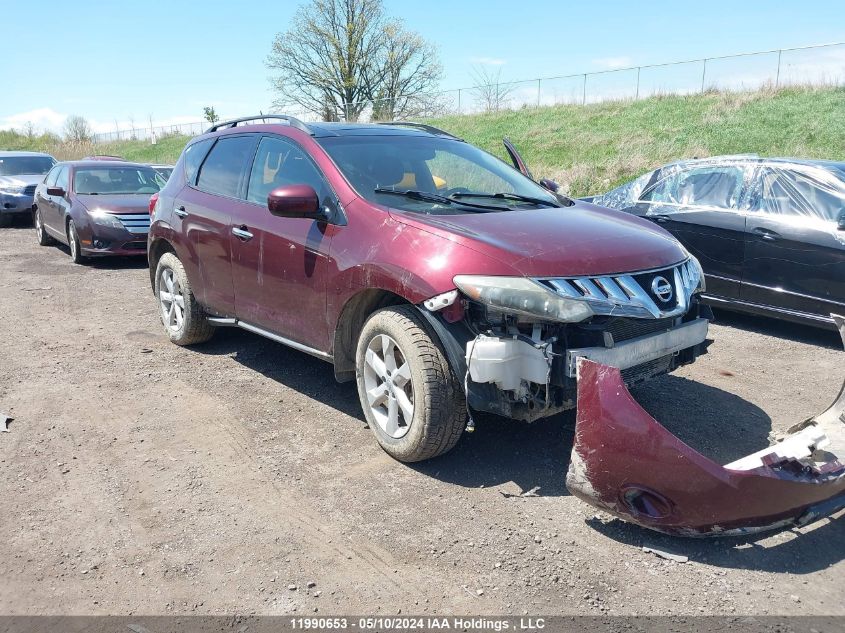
(25, 165)
(433, 175)
(116, 180)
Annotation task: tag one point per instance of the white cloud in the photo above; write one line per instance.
(488, 61)
(613, 63)
(41, 118)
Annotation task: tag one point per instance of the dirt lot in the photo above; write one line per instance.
(142, 478)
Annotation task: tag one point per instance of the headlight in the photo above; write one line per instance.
(104, 218)
(12, 189)
(702, 286)
(523, 296)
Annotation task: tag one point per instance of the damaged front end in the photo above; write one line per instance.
(623, 461)
(516, 341)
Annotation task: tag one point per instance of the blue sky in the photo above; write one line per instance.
(113, 62)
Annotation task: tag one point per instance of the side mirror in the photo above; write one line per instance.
(551, 185)
(840, 224)
(55, 191)
(294, 201)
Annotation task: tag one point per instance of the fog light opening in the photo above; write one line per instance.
(644, 502)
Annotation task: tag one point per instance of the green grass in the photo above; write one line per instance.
(590, 149)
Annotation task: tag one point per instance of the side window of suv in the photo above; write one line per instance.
(222, 171)
(193, 159)
(279, 163)
(788, 191)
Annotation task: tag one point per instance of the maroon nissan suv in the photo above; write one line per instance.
(440, 278)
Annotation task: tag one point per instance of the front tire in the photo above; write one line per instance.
(184, 319)
(73, 242)
(40, 232)
(412, 400)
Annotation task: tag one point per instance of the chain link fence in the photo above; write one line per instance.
(818, 65)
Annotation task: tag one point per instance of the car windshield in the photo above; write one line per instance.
(116, 180)
(25, 165)
(442, 175)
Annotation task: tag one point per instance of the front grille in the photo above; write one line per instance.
(648, 370)
(626, 329)
(29, 190)
(136, 222)
(633, 294)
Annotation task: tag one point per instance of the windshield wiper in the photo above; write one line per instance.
(506, 196)
(426, 196)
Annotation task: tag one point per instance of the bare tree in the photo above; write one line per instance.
(29, 130)
(341, 56)
(489, 91)
(323, 60)
(77, 129)
(406, 73)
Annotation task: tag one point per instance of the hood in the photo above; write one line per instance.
(583, 239)
(125, 203)
(21, 181)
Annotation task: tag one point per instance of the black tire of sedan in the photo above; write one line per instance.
(40, 232)
(184, 319)
(73, 242)
(412, 400)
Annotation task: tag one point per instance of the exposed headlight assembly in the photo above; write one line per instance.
(104, 218)
(522, 296)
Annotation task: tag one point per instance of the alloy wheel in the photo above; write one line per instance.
(171, 300)
(73, 240)
(39, 229)
(387, 380)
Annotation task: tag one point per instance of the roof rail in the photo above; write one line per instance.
(420, 126)
(292, 121)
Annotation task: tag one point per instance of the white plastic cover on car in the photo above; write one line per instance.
(793, 190)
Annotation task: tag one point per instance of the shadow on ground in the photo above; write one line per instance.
(723, 426)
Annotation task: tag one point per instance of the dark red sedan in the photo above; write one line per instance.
(96, 207)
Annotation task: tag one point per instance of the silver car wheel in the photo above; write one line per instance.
(72, 239)
(171, 300)
(387, 380)
(39, 230)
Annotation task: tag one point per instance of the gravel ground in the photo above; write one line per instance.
(142, 478)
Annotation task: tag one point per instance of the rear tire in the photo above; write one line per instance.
(184, 319)
(412, 400)
(73, 242)
(44, 238)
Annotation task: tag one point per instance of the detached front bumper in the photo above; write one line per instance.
(626, 463)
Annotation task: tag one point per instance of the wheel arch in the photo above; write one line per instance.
(353, 315)
(156, 250)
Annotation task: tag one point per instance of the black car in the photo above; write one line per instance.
(769, 232)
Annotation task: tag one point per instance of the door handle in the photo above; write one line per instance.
(242, 233)
(180, 211)
(766, 234)
(659, 218)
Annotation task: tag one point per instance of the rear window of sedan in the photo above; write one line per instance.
(116, 180)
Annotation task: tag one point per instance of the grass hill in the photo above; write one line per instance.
(592, 148)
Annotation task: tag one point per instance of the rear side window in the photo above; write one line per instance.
(809, 194)
(193, 159)
(222, 171)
